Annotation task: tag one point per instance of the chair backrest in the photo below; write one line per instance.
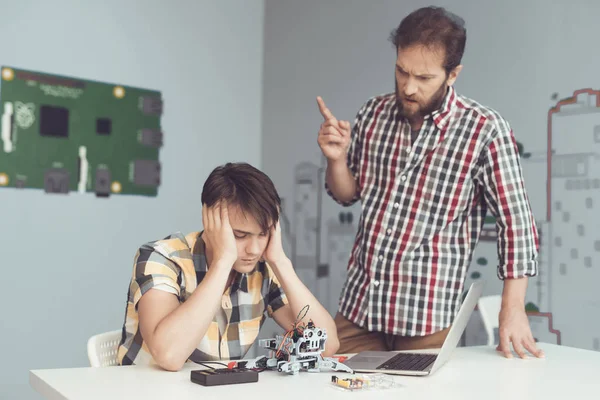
(489, 309)
(102, 349)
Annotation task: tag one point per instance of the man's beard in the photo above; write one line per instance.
(424, 109)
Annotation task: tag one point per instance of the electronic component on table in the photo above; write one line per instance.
(223, 376)
(349, 383)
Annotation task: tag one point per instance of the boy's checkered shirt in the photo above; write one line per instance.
(177, 264)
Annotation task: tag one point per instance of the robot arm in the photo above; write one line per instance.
(333, 364)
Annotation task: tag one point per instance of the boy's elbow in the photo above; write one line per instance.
(168, 361)
(170, 364)
(331, 346)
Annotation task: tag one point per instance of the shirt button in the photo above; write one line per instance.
(408, 150)
(396, 205)
(389, 231)
(376, 283)
(380, 258)
(403, 178)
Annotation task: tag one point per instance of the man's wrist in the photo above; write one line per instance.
(513, 294)
(337, 165)
(512, 303)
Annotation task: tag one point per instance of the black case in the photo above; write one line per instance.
(223, 376)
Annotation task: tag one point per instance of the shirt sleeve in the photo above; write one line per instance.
(275, 297)
(153, 270)
(506, 198)
(353, 157)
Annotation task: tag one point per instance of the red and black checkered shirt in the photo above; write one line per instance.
(423, 209)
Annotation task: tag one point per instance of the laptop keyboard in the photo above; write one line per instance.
(408, 362)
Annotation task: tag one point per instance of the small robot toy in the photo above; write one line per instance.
(298, 350)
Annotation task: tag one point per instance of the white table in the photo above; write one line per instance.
(472, 373)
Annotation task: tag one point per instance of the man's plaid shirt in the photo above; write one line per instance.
(423, 208)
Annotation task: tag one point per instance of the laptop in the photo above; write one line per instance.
(419, 363)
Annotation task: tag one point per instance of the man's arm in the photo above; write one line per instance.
(518, 243)
(341, 182)
(171, 330)
(514, 325)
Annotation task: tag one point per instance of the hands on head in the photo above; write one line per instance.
(218, 234)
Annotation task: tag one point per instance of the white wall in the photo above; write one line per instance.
(66, 260)
(519, 53)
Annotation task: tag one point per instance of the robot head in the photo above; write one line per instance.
(315, 338)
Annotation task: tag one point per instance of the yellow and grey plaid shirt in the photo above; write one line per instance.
(177, 264)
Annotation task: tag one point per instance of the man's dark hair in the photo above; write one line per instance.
(433, 27)
(240, 184)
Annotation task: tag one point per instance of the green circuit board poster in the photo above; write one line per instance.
(67, 135)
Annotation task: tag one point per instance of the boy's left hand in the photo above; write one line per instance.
(274, 253)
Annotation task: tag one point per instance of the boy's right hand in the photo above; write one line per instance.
(218, 234)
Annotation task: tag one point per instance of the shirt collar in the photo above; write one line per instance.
(240, 282)
(441, 116)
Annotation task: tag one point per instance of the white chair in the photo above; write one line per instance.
(102, 349)
(489, 309)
